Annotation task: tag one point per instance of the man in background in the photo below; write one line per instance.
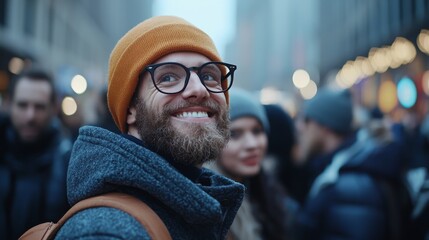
(33, 156)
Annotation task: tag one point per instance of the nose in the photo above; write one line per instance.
(250, 141)
(30, 112)
(195, 89)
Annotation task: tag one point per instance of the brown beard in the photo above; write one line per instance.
(159, 135)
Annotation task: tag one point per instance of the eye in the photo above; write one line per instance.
(235, 134)
(169, 74)
(167, 78)
(207, 77)
(22, 104)
(210, 74)
(257, 131)
(40, 107)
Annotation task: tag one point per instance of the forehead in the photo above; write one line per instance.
(32, 90)
(245, 122)
(185, 58)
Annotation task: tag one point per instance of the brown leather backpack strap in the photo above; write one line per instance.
(39, 232)
(127, 203)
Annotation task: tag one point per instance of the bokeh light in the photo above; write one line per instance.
(270, 95)
(407, 92)
(403, 50)
(300, 78)
(387, 99)
(69, 106)
(425, 82)
(423, 41)
(309, 91)
(79, 84)
(16, 65)
(348, 75)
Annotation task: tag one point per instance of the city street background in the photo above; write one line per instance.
(285, 50)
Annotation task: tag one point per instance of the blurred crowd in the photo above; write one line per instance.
(336, 170)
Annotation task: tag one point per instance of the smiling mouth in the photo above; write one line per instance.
(197, 114)
(251, 162)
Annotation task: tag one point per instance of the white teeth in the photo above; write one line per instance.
(192, 115)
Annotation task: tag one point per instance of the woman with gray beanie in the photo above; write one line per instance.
(263, 213)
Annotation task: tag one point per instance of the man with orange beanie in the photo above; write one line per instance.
(168, 94)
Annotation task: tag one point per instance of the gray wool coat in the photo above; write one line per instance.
(103, 161)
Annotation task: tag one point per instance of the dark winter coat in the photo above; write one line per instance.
(32, 180)
(350, 202)
(102, 161)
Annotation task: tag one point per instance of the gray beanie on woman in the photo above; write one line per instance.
(244, 104)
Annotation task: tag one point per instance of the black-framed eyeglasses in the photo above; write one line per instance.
(173, 77)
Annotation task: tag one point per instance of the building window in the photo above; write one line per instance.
(51, 23)
(3, 6)
(30, 17)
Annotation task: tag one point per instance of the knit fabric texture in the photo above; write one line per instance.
(332, 109)
(143, 45)
(244, 104)
(102, 162)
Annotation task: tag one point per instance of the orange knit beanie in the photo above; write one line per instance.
(143, 45)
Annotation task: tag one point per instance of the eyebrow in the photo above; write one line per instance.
(193, 65)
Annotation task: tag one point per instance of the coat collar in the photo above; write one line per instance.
(103, 161)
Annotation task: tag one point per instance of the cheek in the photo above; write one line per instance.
(220, 98)
(263, 142)
(229, 156)
(155, 103)
(150, 95)
(43, 115)
(232, 163)
(20, 115)
(16, 113)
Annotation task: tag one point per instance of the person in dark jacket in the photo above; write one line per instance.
(417, 183)
(168, 95)
(34, 156)
(282, 142)
(354, 174)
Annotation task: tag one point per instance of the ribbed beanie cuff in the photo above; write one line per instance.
(244, 104)
(143, 45)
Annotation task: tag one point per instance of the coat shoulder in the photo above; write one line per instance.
(102, 222)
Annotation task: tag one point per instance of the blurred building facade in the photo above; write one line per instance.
(275, 38)
(377, 51)
(351, 28)
(66, 37)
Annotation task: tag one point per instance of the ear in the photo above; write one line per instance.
(131, 115)
(131, 122)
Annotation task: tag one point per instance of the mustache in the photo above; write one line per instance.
(32, 124)
(212, 105)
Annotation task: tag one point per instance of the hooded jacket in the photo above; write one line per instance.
(347, 200)
(102, 161)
